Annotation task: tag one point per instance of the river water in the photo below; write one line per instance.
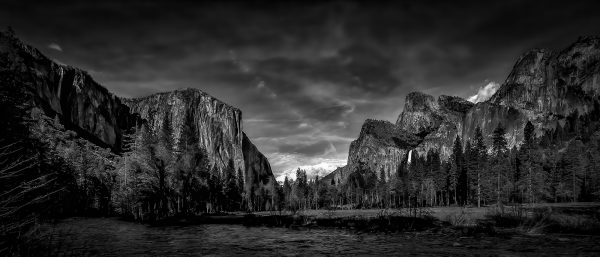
(114, 237)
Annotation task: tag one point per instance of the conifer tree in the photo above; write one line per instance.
(480, 156)
(499, 147)
(457, 175)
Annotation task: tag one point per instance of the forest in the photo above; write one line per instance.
(560, 165)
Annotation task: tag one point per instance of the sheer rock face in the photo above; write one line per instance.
(381, 145)
(216, 127)
(543, 87)
(420, 113)
(438, 122)
(81, 103)
(488, 116)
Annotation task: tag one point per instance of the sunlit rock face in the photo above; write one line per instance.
(381, 146)
(420, 113)
(216, 127)
(81, 103)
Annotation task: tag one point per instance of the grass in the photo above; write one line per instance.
(540, 219)
(578, 218)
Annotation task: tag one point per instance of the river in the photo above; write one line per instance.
(114, 237)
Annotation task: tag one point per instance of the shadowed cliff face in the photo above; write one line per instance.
(81, 103)
(258, 174)
(543, 87)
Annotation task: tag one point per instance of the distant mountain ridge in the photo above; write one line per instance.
(544, 87)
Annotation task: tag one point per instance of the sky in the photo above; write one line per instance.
(305, 75)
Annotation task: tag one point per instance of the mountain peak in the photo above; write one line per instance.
(530, 68)
(188, 95)
(454, 103)
(418, 101)
(588, 40)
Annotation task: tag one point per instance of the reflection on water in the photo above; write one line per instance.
(113, 237)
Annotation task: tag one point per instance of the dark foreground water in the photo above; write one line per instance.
(113, 237)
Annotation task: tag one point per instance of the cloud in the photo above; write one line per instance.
(484, 93)
(305, 82)
(55, 46)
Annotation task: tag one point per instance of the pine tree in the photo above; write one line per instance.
(527, 149)
(480, 156)
(447, 185)
(231, 194)
(301, 188)
(499, 148)
(287, 191)
(458, 172)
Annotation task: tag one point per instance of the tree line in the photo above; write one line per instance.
(560, 165)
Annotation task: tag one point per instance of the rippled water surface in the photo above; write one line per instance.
(113, 237)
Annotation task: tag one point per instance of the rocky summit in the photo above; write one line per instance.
(544, 87)
(98, 116)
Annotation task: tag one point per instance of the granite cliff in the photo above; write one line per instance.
(544, 87)
(437, 122)
(217, 128)
(81, 103)
(97, 115)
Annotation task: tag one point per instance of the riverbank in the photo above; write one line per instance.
(576, 218)
(384, 223)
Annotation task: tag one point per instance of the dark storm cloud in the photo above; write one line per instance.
(305, 75)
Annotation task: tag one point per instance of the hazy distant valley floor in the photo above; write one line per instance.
(115, 237)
